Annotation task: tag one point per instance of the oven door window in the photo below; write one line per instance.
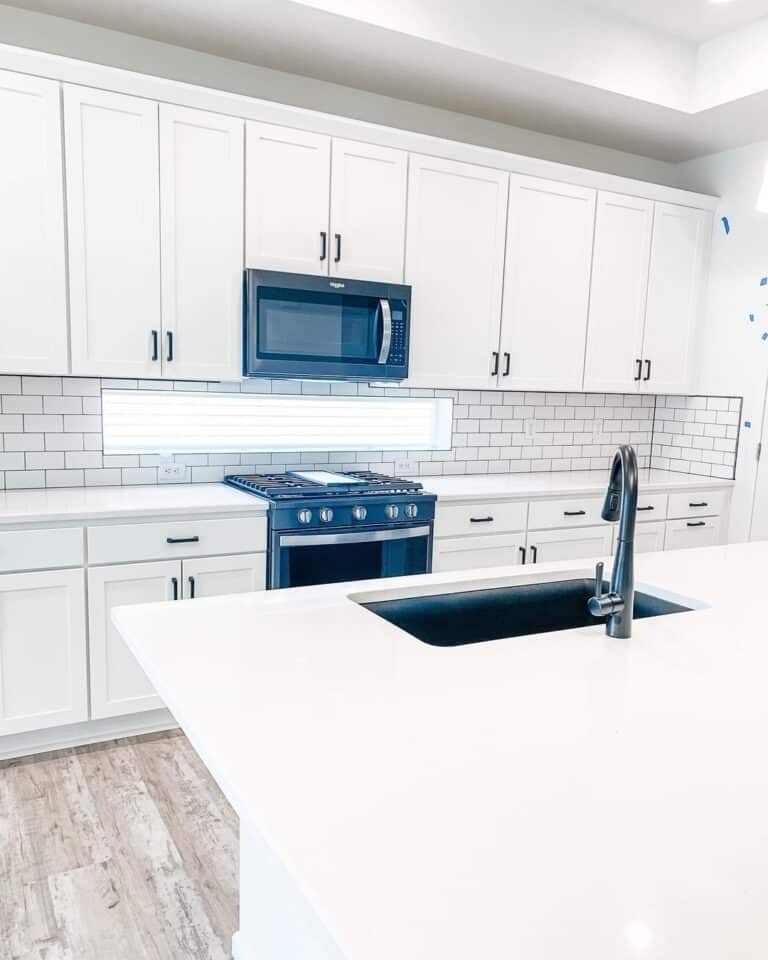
(295, 325)
(302, 566)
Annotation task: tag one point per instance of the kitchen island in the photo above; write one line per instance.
(537, 798)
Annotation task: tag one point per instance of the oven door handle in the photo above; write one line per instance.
(386, 330)
(359, 536)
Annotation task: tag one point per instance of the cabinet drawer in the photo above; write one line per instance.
(651, 506)
(41, 549)
(467, 553)
(698, 503)
(491, 516)
(573, 512)
(116, 543)
(545, 545)
(692, 533)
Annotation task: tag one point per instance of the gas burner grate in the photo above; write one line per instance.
(282, 486)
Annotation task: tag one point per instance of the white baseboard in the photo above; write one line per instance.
(79, 734)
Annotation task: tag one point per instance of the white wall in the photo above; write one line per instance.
(94, 44)
(732, 357)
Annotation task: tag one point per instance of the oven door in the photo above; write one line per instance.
(299, 326)
(303, 559)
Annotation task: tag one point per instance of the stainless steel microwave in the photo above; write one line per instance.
(309, 327)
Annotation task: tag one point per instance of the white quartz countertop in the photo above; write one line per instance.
(562, 795)
(115, 503)
(520, 486)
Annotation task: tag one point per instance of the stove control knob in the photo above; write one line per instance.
(411, 510)
(391, 511)
(304, 516)
(359, 513)
(326, 514)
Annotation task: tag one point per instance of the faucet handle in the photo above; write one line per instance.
(603, 604)
(599, 568)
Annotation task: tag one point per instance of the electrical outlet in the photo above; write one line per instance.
(168, 470)
(405, 467)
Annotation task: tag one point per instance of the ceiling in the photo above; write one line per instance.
(693, 20)
(583, 71)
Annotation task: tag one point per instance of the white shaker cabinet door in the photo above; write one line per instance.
(678, 256)
(455, 263)
(623, 228)
(368, 196)
(33, 299)
(118, 683)
(43, 657)
(218, 576)
(546, 284)
(113, 217)
(287, 199)
(469, 553)
(201, 231)
(576, 544)
(649, 537)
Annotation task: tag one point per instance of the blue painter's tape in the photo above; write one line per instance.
(747, 423)
(763, 281)
(726, 225)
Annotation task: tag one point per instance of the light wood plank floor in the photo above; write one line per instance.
(120, 851)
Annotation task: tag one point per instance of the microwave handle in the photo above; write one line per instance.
(386, 330)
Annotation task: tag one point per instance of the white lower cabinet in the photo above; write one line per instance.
(705, 532)
(118, 684)
(575, 544)
(490, 550)
(43, 673)
(217, 576)
(649, 537)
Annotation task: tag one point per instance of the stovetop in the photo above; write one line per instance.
(314, 484)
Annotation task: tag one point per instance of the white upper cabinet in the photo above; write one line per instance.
(455, 263)
(675, 281)
(623, 229)
(33, 300)
(288, 177)
(113, 219)
(201, 230)
(546, 285)
(368, 196)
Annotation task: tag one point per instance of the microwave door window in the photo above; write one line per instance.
(316, 326)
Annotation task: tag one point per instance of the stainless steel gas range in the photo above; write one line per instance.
(327, 527)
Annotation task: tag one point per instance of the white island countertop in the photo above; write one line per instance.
(521, 486)
(564, 795)
(114, 503)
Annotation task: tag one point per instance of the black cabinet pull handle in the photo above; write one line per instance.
(696, 523)
(507, 362)
(337, 237)
(702, 504)
(480, 519)
(495, 369)
(182, 539)
(169, 356)
(155, 346)
(647, 370)
(324, 244)
(574, 513)
(534, 554)
(645, 508)
(175, 585)
(522, 554)
(191, 588)
(639, 369)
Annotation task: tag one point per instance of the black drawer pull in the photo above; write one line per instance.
(639, 369)
(481, 519)
(169, 355)
(175, 585)
(507, 362)
(535, 554)
(696, 523)
(645, 508)
(574, 513)
(155, 346)
(647, 371)
(337, 258)
(182, 539)
(191, 587)
(522, 554)
(702, 504)
(323, 244)
(495, 369)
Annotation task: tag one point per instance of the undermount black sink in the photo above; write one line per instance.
(473, 616)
